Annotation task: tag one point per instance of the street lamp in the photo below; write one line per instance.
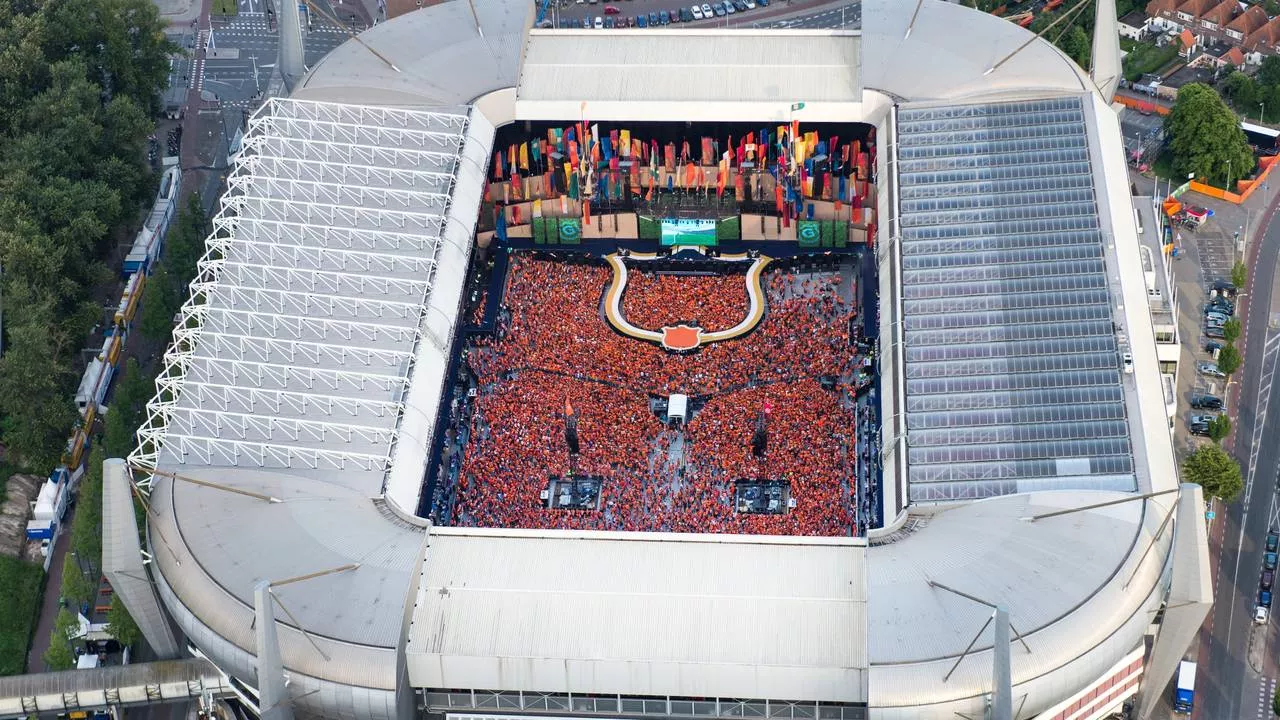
(1262, 110)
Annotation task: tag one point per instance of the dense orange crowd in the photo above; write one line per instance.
(556, 347)
(711, 302)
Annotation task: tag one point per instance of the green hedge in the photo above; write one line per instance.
(20, 598)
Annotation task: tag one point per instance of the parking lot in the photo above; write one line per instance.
(1207, 255)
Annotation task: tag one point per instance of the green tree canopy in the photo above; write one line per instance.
(120, 623)
(1205, 137)
(1239, 274)
(60, 655)
(1219, 428)
(1229, 359)
(37, 409)
(158, 307)
(86, 529)
(1231, 330)
(1210, 467)
(75, 586)
(128, 410)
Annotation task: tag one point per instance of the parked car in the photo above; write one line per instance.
(608, 23)
(707, 12)
(1214, 332)
(697, 12)
(728, 7)
(1212, 347)
(1224, 306)
(1268, 579)
(739, 5)
(1200, 430)
(1224, 287)
(1269, 561)
(1206, 402)
(642, 21)
(1273, 541)
(664, 17)
(653, 19)
(1213, 322)
(686, 15)
(1264, 598)
(762, 3)
(612, 10)
(1210, 369)
(598, 23)
(751, 4)
(1260, 615)
(1213, 316)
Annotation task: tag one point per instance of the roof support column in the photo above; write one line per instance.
(1190, 597)
(122, 560)
(1001, 672)
(273, 697)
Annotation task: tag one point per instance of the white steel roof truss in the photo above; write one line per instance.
(313, 170)
(291, 302)
(366, 114)
(247, 399)
(348, 153)
(220, 451)
(295, 352)
(340, 193)
(348, 132)
(268, 428)
(260, 375)
(296, 233)
(303, 257)
(320, 281)
(333, 214)
(298, 327)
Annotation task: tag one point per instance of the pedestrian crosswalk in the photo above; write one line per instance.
(1266, 691)
(197, 70)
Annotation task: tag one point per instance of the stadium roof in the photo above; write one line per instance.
(726, 69)
(719, 615)
(308, 365)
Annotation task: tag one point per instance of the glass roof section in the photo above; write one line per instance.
(1013, 376)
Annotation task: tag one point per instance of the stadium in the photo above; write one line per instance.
(698, 373)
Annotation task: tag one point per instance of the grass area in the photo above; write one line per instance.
(1127, 44)
(19, 607)
(225, 7)
(1147, 58)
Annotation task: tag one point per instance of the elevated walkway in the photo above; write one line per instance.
(141, 684)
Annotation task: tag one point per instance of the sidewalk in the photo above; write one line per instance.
(52, 591)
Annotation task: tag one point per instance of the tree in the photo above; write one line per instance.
(128, 410)
(1212, 469)
(76, 588)
(1275, 699)
(60, 656)
(35, 398)
(120, 623)
(1205, 137)
(1239, 275)
(86, 530)
(1269, 71)
(1231, 330)
(1219, 428)
(185, 244)
(1241, 90)
(158, 307)
(1229, 359)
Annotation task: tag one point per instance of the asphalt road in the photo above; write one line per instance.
(1239, 666)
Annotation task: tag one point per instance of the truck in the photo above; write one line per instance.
(1184, 690)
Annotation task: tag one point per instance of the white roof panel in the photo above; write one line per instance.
(642, 614)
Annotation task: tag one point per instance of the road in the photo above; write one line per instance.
(1240, 669)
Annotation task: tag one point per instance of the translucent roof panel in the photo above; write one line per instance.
(1012, 360)
(297, 347)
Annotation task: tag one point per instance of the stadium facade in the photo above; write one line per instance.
(302, 389)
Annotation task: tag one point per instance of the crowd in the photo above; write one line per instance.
(554, 351)
(711, 302)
